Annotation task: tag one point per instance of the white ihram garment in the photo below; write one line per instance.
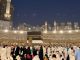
(3, 54)
(53, 59)
(44, 51)
(71, 54)
(36, 57)
(9, 58)
(48, 51)
(65, 53)
(0, 50)
(18, 57)
(8, 50)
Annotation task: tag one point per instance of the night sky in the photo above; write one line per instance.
(36, 12)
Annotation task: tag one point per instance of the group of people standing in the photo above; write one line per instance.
(15, 52)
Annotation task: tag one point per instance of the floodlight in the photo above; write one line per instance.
(6, 30)
(54, 31)
(15, 32)
(70, 31)
(61, 31)
(21, 32)
(45, 31)
(76, 30)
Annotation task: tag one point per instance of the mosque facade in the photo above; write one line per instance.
(58, 33)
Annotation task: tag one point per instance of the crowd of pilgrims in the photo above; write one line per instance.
(15, 52)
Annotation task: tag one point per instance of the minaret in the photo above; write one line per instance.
(7, 13)
(76, 26)
(45, 27)
(55, 25)
(62, 26)
(69, 25)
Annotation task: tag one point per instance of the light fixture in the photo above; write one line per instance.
(54, 31)
(6, 30)
(70, 31)
(15, 32)
(45, 31)
(21, 32)
(76, 30)
(29, 28)
(61, 31)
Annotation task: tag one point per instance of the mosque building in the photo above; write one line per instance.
(58, 33)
